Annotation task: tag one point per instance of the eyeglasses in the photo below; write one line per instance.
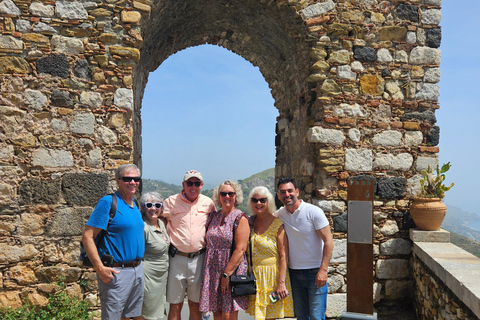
(230, 194)
(261, 200)
(157, 205)
(128, 179)
(196, 183)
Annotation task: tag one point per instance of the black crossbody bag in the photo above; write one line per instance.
(243, 285)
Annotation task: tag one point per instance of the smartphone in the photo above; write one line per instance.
(107, 260)
(274, 297)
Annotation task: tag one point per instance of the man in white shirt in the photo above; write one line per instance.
(310, 245)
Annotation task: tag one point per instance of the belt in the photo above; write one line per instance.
(126, 265)
(192, 254)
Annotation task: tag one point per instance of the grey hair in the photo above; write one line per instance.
(151, 196)
(235, 186)
(264, 192)
(124, 167)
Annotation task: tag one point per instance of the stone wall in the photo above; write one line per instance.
(355, 83)
(446, 278)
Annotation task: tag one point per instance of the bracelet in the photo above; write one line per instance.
(225, 276)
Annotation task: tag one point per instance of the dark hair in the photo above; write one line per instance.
(286, 180)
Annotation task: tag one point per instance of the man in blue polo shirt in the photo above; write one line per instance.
(120, 275)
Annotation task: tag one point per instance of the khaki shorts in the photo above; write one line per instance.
(184, 276)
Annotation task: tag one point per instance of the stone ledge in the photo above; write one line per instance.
(458, 269)
(440, 235)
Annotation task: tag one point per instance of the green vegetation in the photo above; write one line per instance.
(60, 307)
(432, 185)
(466, 244)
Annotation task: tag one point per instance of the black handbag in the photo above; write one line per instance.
(243, 285)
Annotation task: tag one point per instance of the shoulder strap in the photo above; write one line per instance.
(113, 208)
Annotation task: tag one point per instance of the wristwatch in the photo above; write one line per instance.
(225, 276)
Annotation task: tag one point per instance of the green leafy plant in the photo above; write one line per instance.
(432, 184)
(60, 307)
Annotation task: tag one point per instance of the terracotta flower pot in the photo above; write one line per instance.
(428, 213)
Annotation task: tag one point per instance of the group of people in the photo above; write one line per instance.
(184, 246)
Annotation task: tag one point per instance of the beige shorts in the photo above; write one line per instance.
(184, 276)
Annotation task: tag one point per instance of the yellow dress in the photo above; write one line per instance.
(265, 266)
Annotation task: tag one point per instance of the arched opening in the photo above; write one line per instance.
(268, 35)
(209, 109)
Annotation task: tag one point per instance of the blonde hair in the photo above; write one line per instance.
(235, 186)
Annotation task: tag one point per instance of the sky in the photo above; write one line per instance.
(208, 109)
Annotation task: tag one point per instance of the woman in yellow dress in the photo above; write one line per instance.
(270, 253)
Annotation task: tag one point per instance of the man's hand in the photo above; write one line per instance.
(106, 273)
(321, 278)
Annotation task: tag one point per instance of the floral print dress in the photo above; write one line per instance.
(219, 244)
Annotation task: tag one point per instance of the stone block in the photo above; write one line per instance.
(339, 254)
(425, 56)
(54, 64)
(52, 158)
(364, 54)
(358, 160)
(71, 10)
(14, 254)
(31, 224)
(389, 228)
(61, 99)
(123, 98)
(40, 9)
(14, 65)
(330, 205)
(336, 305)
(65, 222)
(335, 283)
(9, 7)
(59, 273)
(431, 16)
(428, 91)
(84, 189)
(340, 223)
(398, 289)
(440, 235)
(427, 115)
(396, 247)
(402, 161)
(327, 136)
(424, 162)
(318, 9)
(388, 138)
(81, 69)
(38, 191)
(23, 275)
(433, 136)
(390, 188)
(83, 123)
(392, 269)
(433, 37)
(10, 299)
(407, 12)
(413, 138)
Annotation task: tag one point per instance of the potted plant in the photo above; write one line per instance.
(427, 209)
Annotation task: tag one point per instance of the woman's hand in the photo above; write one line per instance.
(224, 284)
(282, 291)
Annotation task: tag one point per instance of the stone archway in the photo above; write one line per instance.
(355, 83)
(268, 35)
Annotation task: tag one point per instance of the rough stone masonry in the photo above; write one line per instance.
(355, 83)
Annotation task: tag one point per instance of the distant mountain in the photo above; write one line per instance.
(165, 189)
(457, 221)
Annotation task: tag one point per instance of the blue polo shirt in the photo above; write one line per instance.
(125, 239)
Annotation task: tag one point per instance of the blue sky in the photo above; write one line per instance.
(208, 109)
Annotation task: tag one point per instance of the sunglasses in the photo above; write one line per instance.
(128, 179)
(196, 183)
(261, 200)
(157, 205)
(230, 194)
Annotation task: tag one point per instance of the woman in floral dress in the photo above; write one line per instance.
(270, 254)
(223, 257)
